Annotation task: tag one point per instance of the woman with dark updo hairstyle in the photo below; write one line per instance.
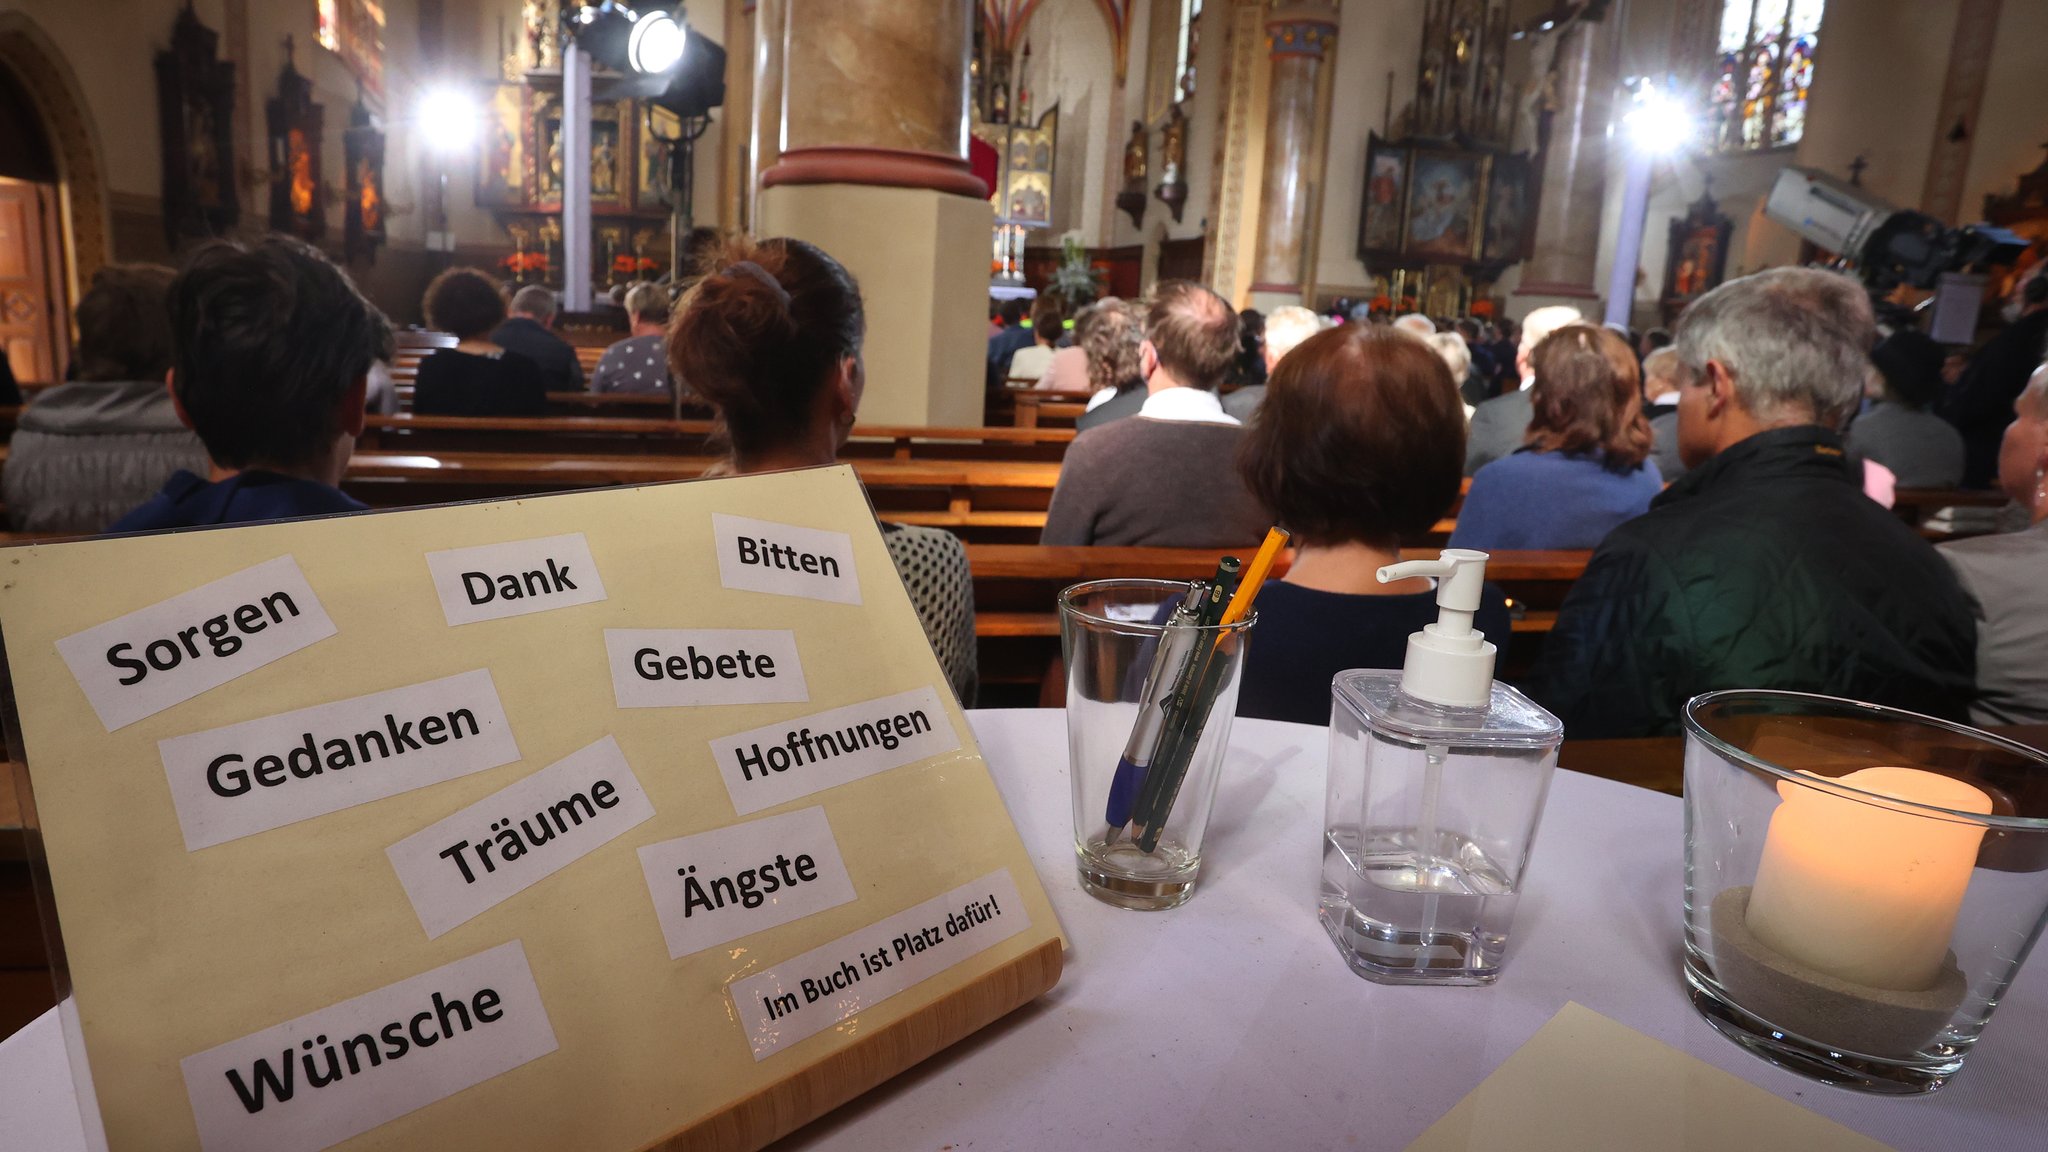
(771, 338)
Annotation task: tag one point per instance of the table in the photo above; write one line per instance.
(1231, 1022)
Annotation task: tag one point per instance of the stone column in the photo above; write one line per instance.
(765, 133)
(1564, 260)
(1299, 37)
(873, 169)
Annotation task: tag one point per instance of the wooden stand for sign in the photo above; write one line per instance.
(189, 927)
(778, 1110)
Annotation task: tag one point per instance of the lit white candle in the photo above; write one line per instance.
(1864, 891)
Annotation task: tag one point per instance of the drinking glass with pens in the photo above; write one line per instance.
(1152, 681)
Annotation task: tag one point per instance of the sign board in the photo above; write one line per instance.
(608, 820)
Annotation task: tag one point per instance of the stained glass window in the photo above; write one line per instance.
(354, 30)
(1762, 72)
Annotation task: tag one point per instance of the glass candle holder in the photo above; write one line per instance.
(1861, 883)
(1139, 821)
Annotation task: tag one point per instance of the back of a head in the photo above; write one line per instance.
(761, 334)
(1589, 397)
(1013, 312)
(1657, 339)
(1661, 372)
(1109, 336)
(1287, 326)
(1796, 342)
(535, 301)
(1910, 362)
(1542, 322)
(1194, 331)
(648, 302)
(266, 344)
(124, 323)
(1048, 317)
(1361, 436)
(1416, 323)
(465, 303)
(1451, 347)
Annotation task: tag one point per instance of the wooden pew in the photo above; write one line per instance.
(1005, 498)
(1949, 513)
(1016, 594)
(1049, 409)
(557, 435)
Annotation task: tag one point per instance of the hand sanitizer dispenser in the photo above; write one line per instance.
(1437, 776)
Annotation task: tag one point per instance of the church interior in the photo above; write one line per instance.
(1037, 209)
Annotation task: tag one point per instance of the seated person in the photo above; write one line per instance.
(1284, 331)
(1161, 477)
(530, 331)
(1110, 336)
(1499, 426)
(1006, 339)
(476, 377)
(1457, 356)
(272, 381)
(1360, 441)
(772, 340)
(2002, 573)
(1660, 407)
(639, 363)
(1921, 449)
(1766, 567)
(90, 449)
(1585, 467)
(1048, 324)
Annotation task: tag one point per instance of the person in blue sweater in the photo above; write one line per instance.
(270, 357)
(1585, 466)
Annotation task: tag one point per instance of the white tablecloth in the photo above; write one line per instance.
(1231, 1023)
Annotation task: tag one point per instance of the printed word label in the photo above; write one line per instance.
(721, 885)
(801, 997)
(785, 560)
(675, 667)
(262, 774)
(313, 1082)
(492, 581)
(516, 837)
(165, 654)
(794, 758)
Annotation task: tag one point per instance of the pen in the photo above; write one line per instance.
(1173, 648)
(1170, 774)
(1186, 684)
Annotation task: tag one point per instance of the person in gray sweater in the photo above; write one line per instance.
(1501, 424)
(2002, 573)
(1164, 476)
(1921, 449)
(88, 450)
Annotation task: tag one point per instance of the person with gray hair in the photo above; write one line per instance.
(1766, 566)
(2003, 574)
(1287, 327)
(1500, 425)
(529, 330)
(639, 363)
(1660, 405)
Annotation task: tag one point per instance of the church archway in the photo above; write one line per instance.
(41, 72)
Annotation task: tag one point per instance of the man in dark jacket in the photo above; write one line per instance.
(529, 330)
(1766, 566)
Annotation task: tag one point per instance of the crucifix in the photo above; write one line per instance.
(1856, 168)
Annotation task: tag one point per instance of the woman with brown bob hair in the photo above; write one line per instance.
(771, 337)
(1585, 465)
(1360, 442)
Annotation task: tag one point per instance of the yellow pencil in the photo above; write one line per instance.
(1261, 566)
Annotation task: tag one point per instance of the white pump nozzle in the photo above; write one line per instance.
(1448, 663)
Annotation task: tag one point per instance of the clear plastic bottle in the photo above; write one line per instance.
(1437, 776)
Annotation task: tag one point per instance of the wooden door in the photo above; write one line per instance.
(32, 303)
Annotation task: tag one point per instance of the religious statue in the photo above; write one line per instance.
(604, 184)
(1173, 185)
(1131, 200)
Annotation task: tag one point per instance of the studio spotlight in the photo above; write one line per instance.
(657, 42)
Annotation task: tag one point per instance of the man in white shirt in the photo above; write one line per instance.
(1499, 425)
(1165, 477)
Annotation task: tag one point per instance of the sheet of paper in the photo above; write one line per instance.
(1585, 1083)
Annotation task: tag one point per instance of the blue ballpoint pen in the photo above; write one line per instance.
(1174, 645)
